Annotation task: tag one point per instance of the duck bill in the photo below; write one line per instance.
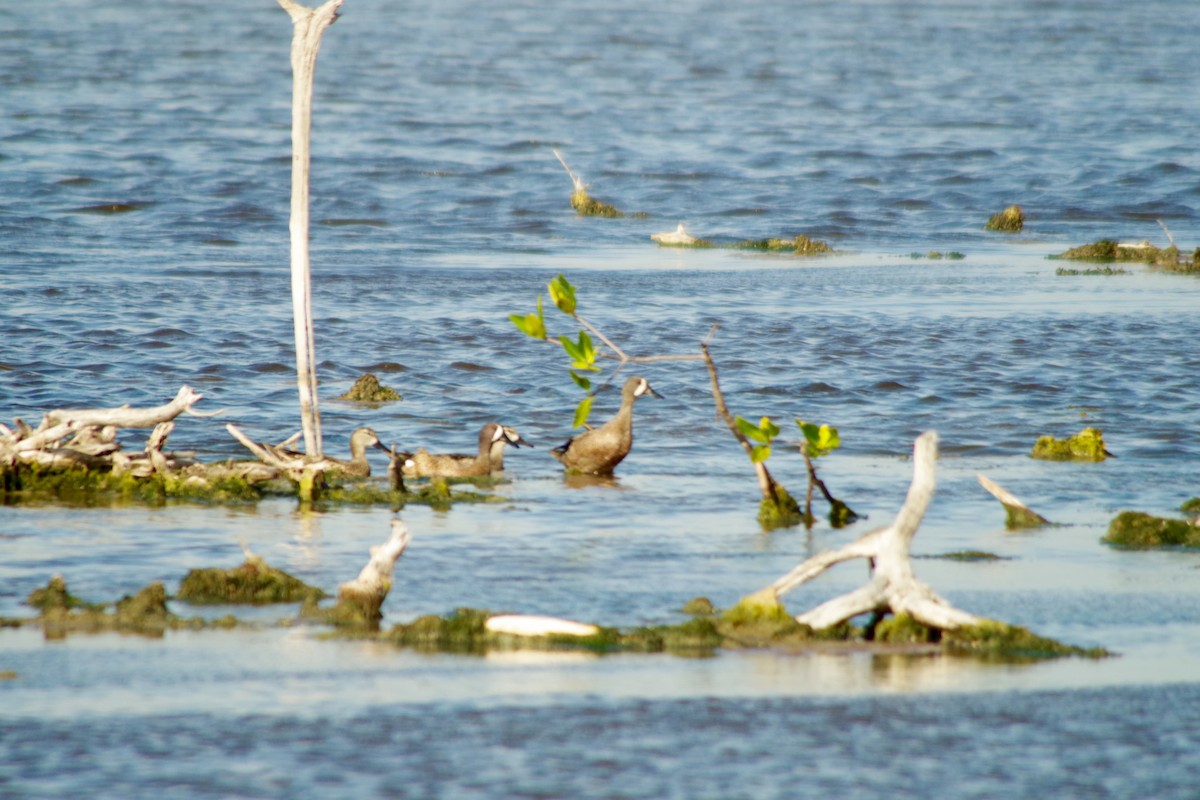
(380, 445)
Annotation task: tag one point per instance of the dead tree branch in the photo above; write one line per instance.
(892, 585)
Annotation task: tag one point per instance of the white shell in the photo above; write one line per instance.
(532, 625)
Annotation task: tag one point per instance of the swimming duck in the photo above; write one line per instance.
(492, 439)
(598, 451)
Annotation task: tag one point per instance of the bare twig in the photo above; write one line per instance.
(765, 482)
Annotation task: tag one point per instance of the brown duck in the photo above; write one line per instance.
(598, 451)
(493, 437)
(357, 466)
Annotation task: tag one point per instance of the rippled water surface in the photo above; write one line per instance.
(144, 187)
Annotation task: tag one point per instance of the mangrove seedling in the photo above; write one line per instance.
(821, 440)
(777, 509)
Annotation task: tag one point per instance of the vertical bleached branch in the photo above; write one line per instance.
(308, 25)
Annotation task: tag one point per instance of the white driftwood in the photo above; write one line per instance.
(61, 423)
(677, 236)
(892, 585)
(534, 625)
(375, 579)
(307, 27)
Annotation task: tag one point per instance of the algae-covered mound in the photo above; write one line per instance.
(255, 582)
(1134, 252)
(82, 486)
(1087, 445)
(587, 206)
(779, 510)
(368, 389)
(1010, 220)
(999, 641)
(1139, 531)
(800, 245)
(143, 613)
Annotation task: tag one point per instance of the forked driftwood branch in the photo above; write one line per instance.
(892, 586)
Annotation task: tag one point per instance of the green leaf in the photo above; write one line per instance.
(531, 324)
(760, 453)
(819, 440)
(581, 353)
(582, 411)
(763, 432)
(581, 381)
(563, 294)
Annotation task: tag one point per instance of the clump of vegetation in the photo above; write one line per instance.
(254, 582)
(938, 255)
(970, 555)
(144, 613)
(368, 389)
(1092, 271)
(1087, 445)
(902, 629)
(1135, 252)
(998, 641)
(800, 245)
(1139, 531)
(1010, 220)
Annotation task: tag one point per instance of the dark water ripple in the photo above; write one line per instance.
(1061, 743)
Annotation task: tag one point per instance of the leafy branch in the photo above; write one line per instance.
(582, 351)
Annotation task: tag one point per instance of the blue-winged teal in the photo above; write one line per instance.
(493, 438)
(598, 451)
(357, 466)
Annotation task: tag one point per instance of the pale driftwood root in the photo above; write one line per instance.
(893, 586)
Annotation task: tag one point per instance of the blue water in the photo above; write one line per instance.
(144, 189)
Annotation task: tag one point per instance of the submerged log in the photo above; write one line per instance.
(1018, 515)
